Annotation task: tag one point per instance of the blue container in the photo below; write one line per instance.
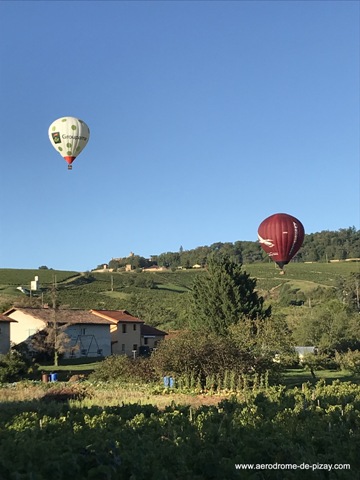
(171, 382)
(53, 377)
(166, 381)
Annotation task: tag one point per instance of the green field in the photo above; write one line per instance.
(159, 298)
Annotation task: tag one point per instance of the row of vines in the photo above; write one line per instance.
(314, 424)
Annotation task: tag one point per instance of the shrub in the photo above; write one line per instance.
(202, 356)
(13, 366)
(349, 361)
(122, 368)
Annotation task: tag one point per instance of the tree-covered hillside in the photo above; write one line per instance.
(317, 247)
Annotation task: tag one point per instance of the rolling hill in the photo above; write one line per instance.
(161, 298)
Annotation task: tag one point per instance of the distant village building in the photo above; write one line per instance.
(155, 268)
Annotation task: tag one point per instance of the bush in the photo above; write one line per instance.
(13, 366)
(202, 356)
(349, 361)
(122, 368)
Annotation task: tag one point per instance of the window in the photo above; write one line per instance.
(124, 328)
(135, 347)
(134, 327)
(82, 331)
(146, 341)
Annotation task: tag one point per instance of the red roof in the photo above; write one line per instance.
(117, 316)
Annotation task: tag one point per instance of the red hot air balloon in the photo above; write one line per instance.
(281, 236)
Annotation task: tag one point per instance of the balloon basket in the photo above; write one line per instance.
(69, 167)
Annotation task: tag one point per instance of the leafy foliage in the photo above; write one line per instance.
(315, 425)
(203, 356)
(123, 369)
(13, 366)
(224, 297)
(329, 326)
(349, 360)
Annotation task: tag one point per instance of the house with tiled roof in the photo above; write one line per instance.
(92, 333)
(89, 334)
(125, 331)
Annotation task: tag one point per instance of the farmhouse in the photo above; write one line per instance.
(89, 335)
(5, 333)
(128, 333)
(124, 329)
(92, 333)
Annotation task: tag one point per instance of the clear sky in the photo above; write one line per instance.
(205, 117)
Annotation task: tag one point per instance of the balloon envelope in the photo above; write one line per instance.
(281, 236)
(69, 136)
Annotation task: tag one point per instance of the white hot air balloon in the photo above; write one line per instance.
(69, 136)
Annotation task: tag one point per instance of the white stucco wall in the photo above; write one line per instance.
(26, 326)
(89, 340)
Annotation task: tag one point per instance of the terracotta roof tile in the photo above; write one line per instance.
(117, 316)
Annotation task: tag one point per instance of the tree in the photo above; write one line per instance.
(13, 366)
(52, 341)
(223, 296)
(328, 326)
(263, 337)
(349, 291)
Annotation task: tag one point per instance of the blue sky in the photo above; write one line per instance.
(205, 118)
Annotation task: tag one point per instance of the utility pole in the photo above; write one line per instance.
(54, 306)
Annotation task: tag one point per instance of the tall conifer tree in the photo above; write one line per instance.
(223, 296)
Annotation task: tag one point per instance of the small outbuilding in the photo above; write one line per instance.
(151, 336)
